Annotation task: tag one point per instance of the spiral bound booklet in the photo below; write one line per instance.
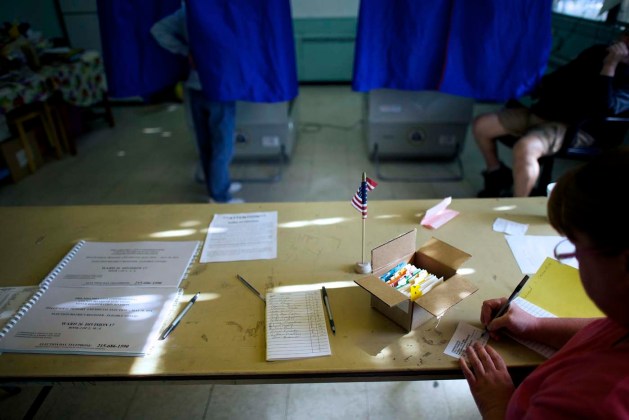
(102, 298)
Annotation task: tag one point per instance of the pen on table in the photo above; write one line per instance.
(326, 301)
(174, 324)
(504, 307)
(250, 287)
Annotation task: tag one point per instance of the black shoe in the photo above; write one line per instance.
(498, 182)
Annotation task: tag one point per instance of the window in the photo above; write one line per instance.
(586, 9)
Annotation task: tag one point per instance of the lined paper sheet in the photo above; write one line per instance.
(295, 326)
(534, 310)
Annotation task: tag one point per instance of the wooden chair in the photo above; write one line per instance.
(29, 114)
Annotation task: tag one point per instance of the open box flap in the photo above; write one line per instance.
(381, 290)
(444, 253)
(393, 250)
(446, 295)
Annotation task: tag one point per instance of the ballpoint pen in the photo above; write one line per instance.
(326, 301)
(250, 287)
(504, 307)
(174, 324)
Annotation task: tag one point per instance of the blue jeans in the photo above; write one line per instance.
(214, 124)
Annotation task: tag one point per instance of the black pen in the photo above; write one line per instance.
(504, 307)
(250, 287)
(174, 324)
(326, 301)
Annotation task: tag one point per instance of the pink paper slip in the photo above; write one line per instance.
(439, 215)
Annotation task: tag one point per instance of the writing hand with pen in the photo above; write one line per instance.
(513, 319)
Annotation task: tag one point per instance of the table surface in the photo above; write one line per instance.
(222, 339)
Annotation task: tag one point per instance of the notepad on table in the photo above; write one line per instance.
(295, 326)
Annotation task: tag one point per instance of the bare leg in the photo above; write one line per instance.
(526, 152)
(486, 128)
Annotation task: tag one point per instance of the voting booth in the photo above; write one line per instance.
(416, 125)
(264, 134)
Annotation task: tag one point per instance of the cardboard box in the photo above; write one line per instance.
(15, 156)
(436, 257)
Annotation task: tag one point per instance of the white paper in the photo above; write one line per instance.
(509, 227)
(113, 264)
(104, 320)
(531, 251)
(102, 298)
(463, 337)
(295, 326)
(241, 237)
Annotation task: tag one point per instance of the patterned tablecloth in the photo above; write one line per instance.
(81, 82)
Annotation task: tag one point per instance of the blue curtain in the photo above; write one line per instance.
(243, 49)
(134, 63)
(490, 50)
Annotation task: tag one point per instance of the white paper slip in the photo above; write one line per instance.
(463, 337)
(509, 227)
(295, 326)
(241, 237)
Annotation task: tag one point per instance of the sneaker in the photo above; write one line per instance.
(498, 182)
(234, 187)
(232, 201)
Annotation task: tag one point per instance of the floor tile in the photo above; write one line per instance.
(258, 402)
(328, 401)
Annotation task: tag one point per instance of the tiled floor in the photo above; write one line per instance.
(149, 157)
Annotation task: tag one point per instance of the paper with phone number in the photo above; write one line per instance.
(463, 337)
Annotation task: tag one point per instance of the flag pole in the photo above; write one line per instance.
(364, 219)
(363, 267)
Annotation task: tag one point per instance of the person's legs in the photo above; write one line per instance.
(544, 139)
(486, 128)
(222, 123)
(199, 113)
(497, 177)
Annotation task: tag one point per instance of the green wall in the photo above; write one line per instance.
(40, 14)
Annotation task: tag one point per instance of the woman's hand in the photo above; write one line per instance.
(489, 380)
(515, 320)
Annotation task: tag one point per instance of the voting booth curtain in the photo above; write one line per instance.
(243, 49)
(490, 50)
(135, 64)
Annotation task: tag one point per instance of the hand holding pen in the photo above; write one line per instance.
(489, 312)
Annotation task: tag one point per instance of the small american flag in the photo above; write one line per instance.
(359, 200)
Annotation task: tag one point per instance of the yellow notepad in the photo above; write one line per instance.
(557, 288)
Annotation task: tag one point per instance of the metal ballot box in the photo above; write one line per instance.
(264, 131)
(416, 125)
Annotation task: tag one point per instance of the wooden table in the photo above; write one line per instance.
(222, 339)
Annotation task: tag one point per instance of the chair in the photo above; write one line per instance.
(614, 127)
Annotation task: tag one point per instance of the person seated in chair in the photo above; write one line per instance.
(595, 84)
